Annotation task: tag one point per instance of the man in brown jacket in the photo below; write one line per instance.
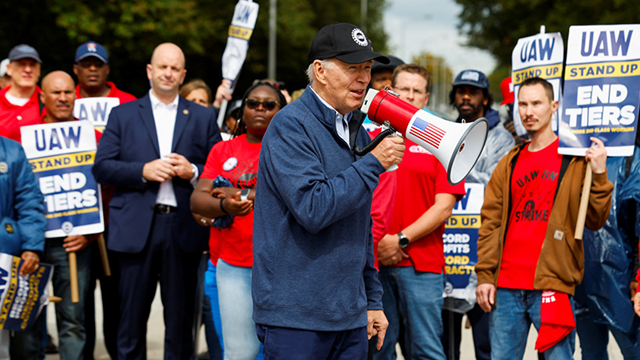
(528, 260)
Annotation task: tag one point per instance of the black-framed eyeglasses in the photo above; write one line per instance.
(267, 105)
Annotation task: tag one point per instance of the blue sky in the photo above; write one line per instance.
(416, 26)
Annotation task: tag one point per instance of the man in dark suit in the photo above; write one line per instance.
(152, 152)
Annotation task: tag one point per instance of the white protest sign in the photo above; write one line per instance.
(95, 109)
(61, 156)
(540, 56)
(242, 24)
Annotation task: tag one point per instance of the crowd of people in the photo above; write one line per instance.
(286, 242)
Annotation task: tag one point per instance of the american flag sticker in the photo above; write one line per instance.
(427, 132)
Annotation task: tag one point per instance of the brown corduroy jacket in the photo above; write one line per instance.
(561, 263)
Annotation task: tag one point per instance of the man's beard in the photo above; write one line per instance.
(530, 132)
(467, 114)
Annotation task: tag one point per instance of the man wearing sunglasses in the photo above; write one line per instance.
(315, 288)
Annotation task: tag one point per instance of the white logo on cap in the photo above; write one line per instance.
(470, 75)
(359, 37)
(91, 47)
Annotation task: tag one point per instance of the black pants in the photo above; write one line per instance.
(480, 329)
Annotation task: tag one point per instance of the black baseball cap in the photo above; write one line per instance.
(345, 42)
(473, 78)
(394, 62)
(24, 51)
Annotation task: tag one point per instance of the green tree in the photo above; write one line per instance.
(130, 29)
(496, 25)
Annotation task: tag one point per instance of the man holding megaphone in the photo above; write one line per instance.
(315, 288)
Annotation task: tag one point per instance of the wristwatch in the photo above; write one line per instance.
(244, 194)
(404, 241)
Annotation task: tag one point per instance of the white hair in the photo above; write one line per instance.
(311, 75)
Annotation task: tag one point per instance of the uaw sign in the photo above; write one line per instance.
(61, 157)
(540, 56)
(601, 89)
(242, 24)
(22, 297)
(95, 109)
(460, 240)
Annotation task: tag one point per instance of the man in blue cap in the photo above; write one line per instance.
(92, 69)
(471, 97)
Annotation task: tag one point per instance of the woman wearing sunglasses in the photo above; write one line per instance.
(236, 160)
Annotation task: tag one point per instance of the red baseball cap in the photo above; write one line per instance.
(506, 86)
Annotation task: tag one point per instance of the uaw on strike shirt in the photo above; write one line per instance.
(533, 187)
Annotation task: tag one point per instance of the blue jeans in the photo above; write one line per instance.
(236, 310)
(211, 293)
(511, 319)
(417, 297)
(595, 337)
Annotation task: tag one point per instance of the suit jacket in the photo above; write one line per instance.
(129, 141)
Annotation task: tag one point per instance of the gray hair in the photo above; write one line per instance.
(311, 75)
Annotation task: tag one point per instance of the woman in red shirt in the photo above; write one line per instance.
(236, 160)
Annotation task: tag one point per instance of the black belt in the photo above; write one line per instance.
(164, 209)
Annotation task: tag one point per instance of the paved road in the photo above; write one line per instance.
(156, 335)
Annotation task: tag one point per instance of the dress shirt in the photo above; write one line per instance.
(164, 116)
(342, 121)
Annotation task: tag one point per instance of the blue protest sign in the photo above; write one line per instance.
(460, 240)
(61, 157)
(601, 89)
(22, 297)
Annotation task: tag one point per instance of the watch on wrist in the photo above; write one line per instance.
(404, 241)
(244, 194)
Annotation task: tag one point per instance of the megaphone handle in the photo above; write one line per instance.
(394, 167)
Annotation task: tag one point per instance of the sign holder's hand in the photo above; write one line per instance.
(596, 158)
(73, 243)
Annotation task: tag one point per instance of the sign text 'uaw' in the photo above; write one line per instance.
(61, 157)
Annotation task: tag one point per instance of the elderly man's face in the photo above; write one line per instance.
(346, 84)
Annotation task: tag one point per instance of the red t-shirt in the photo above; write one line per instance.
(420, 178)
(13, 117)
(384, 197)
(533, 187)
(114, 93)
(237, 161)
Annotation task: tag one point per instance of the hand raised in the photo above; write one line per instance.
(597, 155)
